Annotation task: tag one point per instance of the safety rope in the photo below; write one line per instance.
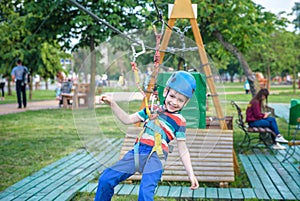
(157, 133)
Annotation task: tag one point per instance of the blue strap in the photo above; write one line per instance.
(136, 156)
(154, 127)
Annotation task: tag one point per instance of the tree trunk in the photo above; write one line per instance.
(268, 77)
(9, 92)
(30, 88)
(232, 49)
(46, 84)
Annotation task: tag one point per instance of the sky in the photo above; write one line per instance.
(276, 6)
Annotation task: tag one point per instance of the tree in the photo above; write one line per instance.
(21, 38)
(123, 15)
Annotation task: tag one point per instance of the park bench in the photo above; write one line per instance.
(79, 96)
(264, 134)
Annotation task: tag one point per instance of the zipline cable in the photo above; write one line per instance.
(159, 14)
(102, 21)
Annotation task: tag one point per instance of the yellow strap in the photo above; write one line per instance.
(157, 142)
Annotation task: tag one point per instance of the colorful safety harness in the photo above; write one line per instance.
(153, 116)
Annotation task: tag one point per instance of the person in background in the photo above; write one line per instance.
(256, 118)
(19, 75)
(2, 85)
(247, 86)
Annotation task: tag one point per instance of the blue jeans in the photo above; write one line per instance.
(269, 122)
(151, 169)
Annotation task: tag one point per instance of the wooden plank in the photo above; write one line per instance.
(210, 150)
(118, 188)
(126, 189)
(199, 193)
(66, 177)
(248, 193)
(253, 177)
(236, 193)
(42, 177)
(54, 181)
(89, 188)
(263, 175)
(87, 174)
(211, 193)
(162, 191)
(289, 175)
(175, 191)
(186, 192)
(136, 189)
(276, 177)
(224, 193)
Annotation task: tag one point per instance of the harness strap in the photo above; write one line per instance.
(136, 151)
(157, 143)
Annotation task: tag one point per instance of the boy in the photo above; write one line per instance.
(179, 89)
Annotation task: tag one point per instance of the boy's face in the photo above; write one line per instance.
(174, 101)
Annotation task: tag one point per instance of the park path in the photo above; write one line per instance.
(281, 110)
(36, 105)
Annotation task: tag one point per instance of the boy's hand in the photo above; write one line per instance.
(194, 183)
(105, 99)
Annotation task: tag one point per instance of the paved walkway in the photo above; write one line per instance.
(36, 105)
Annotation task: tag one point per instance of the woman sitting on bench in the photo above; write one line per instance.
(256, 118)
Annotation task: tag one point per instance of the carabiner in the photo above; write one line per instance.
(134, 54)
(162, 26)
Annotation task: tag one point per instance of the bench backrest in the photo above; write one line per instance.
(240, 119)
(83, 88)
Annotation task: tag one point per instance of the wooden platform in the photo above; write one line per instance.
(211, 155)
(270, 178)
(62, 179)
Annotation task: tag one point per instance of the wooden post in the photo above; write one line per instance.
(183, 10)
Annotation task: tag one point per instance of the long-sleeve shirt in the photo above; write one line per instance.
(253, 111)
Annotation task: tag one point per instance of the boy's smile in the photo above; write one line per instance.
(174, 101)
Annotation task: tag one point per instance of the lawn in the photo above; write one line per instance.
(33, 139)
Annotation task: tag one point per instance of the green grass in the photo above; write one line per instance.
(37, 95)
(33, 139)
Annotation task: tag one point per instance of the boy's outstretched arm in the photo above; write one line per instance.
(124, 117)
(186, 160)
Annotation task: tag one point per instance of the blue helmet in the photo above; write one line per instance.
(182, 82)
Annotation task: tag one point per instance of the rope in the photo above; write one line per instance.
(117, 30)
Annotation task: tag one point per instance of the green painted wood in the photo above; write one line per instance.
(211, 193)
(66, 176)
(265, 179)
(236, 193)
(248, 193)
(175, 191)
(117, 188)
(80, 180)
(253, 177)
(290, 177)
(126, 189)
(136, 189)
(224, 193)
(186, 192)
(89, 188)
(199, 193)
(162, 191)
(30, 183)
(277, 176)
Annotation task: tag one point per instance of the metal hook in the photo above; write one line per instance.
(134, 54)
(162, 26)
